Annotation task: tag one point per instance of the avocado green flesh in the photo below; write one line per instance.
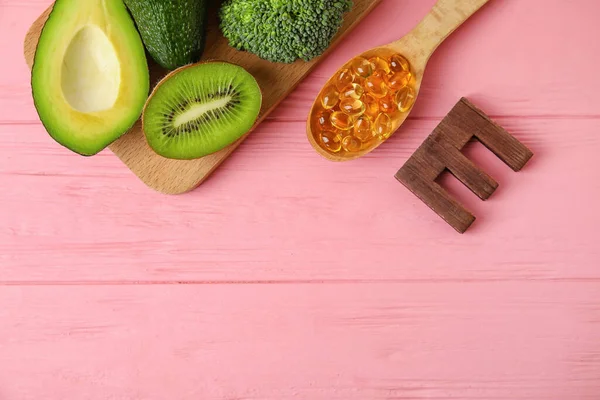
(173, 31)
(90, 76)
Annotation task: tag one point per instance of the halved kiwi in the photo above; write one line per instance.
(200, 109)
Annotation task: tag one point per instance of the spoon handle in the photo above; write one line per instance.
(443, 19)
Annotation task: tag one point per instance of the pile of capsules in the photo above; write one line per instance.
(360, 104)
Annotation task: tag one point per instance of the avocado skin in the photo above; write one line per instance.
(88, 132)
(173, 31)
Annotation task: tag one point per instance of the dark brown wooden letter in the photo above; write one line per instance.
(441, 151)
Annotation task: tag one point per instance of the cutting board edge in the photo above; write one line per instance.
(34, 32)
(231, 148)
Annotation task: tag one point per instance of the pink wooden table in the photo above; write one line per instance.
(289, 277)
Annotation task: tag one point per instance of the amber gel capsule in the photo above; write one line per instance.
(362, 129)
(383, 126)
(342, 121)
(398, 63)
(353, 90)
(344, 78)
(331, 141)
(353, 107)
(351, 144)
(362, 67)
(398, 80)
(405, 99)
(372, 106)
(330, 98)
(375, 86)
(380, 64)
(323, 119)
(388, 105)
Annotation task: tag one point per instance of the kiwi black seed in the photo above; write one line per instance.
(200, 109)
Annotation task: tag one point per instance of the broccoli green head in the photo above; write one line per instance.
(282, 30)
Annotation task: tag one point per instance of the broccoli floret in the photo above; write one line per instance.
(282, 30)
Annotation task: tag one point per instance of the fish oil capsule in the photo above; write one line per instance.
(343, 79)
(398, 63)
(351, 144)
(362, 67)
(375, 85)
(388, 105)
(323, 120)
(362, 129)
(405, 98)
(331, 141)
(353, 107)
(380, 64)
(371, 106)
(380, 73)
(330, 97)
(353, 91)
(342, 121)
(398, 80)
(383, 126)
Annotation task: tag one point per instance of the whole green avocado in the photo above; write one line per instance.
(173, 31)
(282, 30)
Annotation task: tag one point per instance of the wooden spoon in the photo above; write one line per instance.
(417, 47)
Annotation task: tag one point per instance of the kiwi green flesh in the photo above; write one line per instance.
(201, 109)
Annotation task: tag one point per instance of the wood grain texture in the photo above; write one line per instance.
(285, 276)
(90, 220)
(322, 342)
(442, 151)
(275, 80)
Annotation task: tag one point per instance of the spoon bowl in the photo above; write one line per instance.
(417, 48)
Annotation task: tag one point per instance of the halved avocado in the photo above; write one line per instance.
(90, 76)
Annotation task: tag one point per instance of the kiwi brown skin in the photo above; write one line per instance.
(170, 74)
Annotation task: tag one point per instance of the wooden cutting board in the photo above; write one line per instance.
(276, 80)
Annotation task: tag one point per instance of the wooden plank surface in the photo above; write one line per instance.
(245, 224)
(275, 80)
(322, 342)
(288, 277)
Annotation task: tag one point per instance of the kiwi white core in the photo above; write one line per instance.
(195, 111)
(91, 71)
